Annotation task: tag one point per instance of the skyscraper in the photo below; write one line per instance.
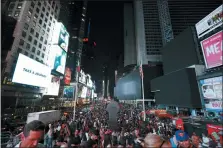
(73, 13)
(157, 22)
(33, 31)
(35, 23)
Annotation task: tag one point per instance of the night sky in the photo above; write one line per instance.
(107, 32)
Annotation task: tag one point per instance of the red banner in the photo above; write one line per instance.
(67, 78)
(216, 132)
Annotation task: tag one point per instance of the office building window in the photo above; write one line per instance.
(37, 35)
(32, 56)
(26, 53)
(30, 11)
(46, 20)
(23, 34)
(30, 39)
(17, 13)
(26, 26)
(33, 49)
(41, 38)
(43, 55)
(38, 52)
(40, 22)
(37, 59)
(39, 4)
(34, 24)
(28, 18)
(11, 6)
(47, 14)
(49, 24)
(27, 46)
(44, 48)
(35, 42)
(19, 6)
(21, 42)
(48, 29)
(9, 13)
(35, 17)
(42, 15)
(43, 9)
(40, 45)
(32, 4)
(45, 42)
(32, 31)
(44, 26)
(19, 50)
(37, 10)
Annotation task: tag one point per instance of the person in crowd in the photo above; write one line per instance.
(205, 141)
(33, 132)
(50, 137)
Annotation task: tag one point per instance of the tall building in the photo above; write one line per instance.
(157, 22)
(35, 23)
(33, 31)
(130, 56)
(73, 14)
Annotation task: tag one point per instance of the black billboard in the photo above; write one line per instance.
(181, 52)
(129, 86)
(177, 89)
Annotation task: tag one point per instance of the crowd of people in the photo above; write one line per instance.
(91, 129)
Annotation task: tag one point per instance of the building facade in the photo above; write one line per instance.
(33, 31)
(73, 14)
(158, 21)
(130, 56)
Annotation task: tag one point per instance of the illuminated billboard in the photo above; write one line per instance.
(68, 92)
(67, 77)
(57, 59)
(212, 50)
(210, 22)
(60, 36)
(53, 87)
(31, 72)
(211, 90)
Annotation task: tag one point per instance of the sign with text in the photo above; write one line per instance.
(211, 90)
(31, 72)
(210, 22)
(212, 50)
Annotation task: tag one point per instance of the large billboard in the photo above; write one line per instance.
(210, 22)
(212, 50)
(31, 72)
(67, 77)
(129, 87)
(60, 36)
(53, 87)
(57, 59)
(211, 90)
(69, 92)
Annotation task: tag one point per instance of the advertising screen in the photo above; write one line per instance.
(211, 90)
(68, 92)
(31, 72)
(53, 87)
(57, 59)
(212, 50)
(84, 92)
(67, 77)
(60, 36)
(88, 93)
(210, 22)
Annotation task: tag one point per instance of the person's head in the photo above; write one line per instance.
(33, 133)
(152, 140)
